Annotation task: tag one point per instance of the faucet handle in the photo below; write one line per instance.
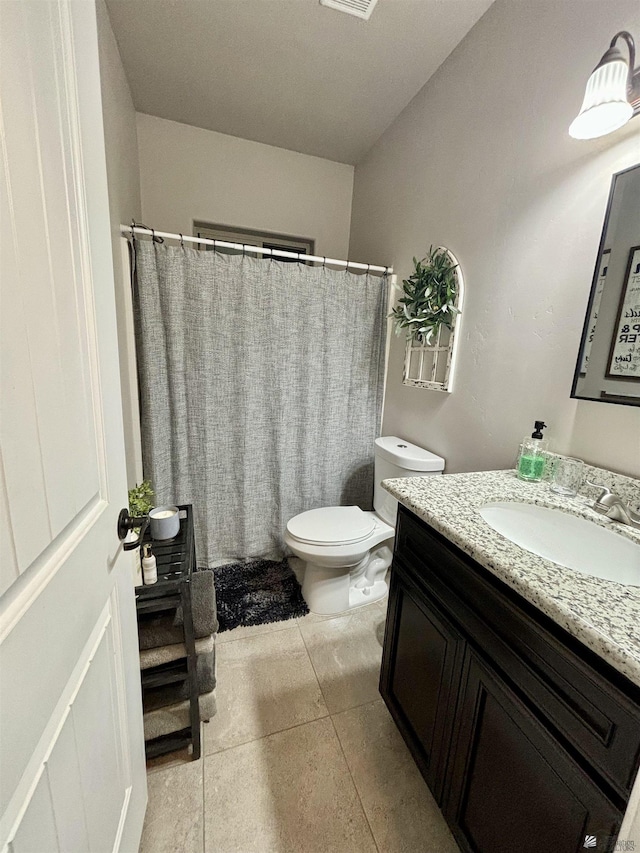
(605, 495)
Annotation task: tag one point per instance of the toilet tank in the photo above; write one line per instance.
(397, 458)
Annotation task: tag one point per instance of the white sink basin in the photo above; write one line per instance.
(567, 540)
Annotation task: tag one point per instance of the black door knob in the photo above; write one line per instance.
(128, 522)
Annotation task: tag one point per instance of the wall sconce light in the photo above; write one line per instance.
(612, 96)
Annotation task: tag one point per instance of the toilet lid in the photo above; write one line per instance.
(331, 525)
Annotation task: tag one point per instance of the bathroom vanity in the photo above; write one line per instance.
(515, 682)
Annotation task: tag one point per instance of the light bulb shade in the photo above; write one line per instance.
(605, 107)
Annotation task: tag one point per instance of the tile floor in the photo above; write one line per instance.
(302, 756)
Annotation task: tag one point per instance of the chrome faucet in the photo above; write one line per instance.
(614, 507)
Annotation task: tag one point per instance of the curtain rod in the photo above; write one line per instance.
(245, 247)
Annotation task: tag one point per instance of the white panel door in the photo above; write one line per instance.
(72, 773)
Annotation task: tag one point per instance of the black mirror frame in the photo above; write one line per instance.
(619, 401)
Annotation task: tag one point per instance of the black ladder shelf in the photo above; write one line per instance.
(175, 560)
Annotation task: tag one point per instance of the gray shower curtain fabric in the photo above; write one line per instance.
(260, 391)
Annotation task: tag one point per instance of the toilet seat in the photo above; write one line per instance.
(331, 525)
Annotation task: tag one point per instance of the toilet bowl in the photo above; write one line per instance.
(347, 550)
(347, 553)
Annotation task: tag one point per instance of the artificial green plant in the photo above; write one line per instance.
(141, 499)
(429, 297)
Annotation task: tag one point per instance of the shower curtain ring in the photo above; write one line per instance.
(324, 263)
(243, 250)
(368, 268)
(181, 242)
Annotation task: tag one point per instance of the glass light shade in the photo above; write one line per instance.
(605, 107)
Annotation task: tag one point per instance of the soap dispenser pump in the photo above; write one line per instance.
(533, 455)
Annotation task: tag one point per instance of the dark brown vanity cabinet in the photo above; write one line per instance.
(423, 681)
(528, 740)
(511, 787)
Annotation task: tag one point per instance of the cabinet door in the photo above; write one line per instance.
(511, 787)
(420, 675)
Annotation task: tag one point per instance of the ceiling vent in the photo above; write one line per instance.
(357, 8)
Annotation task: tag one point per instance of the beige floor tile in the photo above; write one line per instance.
(288, 793)
(401, 811)
(174, 818)
(265, 684)
(346, 654)
(242, 632)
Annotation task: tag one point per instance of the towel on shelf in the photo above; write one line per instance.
(172, 718)
(165, 629)
(155, 697)
(165, 654)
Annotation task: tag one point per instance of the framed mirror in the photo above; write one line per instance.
(608, 366)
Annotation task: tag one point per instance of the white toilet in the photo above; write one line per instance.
(347, 551)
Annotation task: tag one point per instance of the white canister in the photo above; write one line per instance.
(164, 522)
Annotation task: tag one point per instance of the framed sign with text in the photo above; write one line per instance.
(595, 308)
(624, 359)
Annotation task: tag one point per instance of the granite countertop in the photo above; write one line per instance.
(604, 615)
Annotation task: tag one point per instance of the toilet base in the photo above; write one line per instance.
(358, 597)
(331, 591)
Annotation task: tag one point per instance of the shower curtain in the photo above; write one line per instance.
(260, 391)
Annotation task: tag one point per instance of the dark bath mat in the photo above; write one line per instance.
(257, 592)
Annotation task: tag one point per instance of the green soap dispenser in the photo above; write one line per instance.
(533, 455)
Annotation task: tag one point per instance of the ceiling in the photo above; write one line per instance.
(290, 73)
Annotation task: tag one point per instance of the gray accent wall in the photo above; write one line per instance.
(481, 162)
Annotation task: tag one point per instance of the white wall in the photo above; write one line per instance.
(192, 174)
(123, 177)
(481, 162)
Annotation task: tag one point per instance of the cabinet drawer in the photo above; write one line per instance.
(594, 708)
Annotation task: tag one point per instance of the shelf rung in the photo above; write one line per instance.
(168, 743)
(157, 605)
(161, 679)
